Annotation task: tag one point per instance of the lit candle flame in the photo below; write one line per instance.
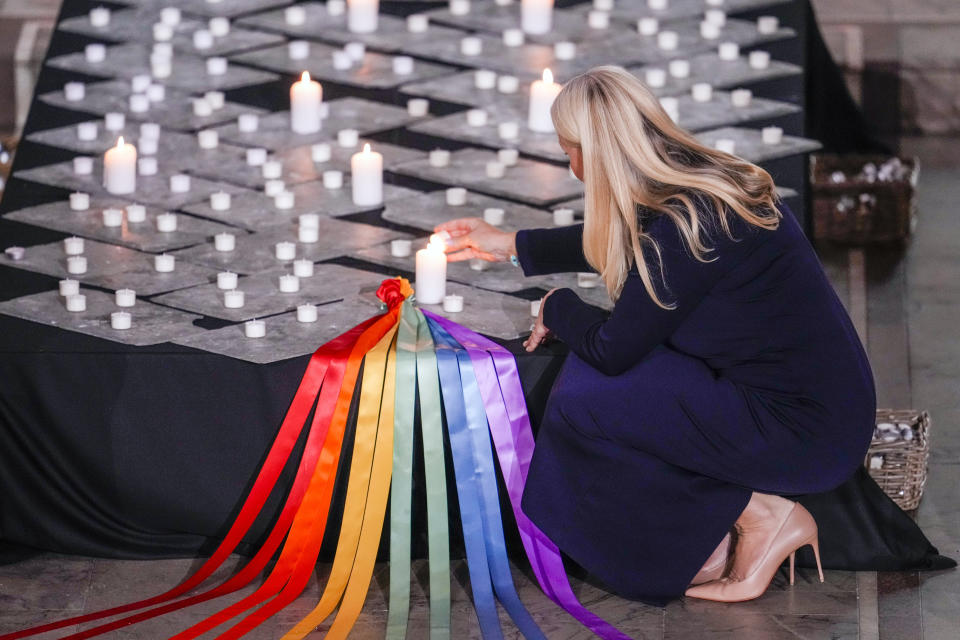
(436, 242)
(366, 148)
(305, 77)
(120, 142)
(548, 76)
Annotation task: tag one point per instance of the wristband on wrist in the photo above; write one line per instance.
(513, 260)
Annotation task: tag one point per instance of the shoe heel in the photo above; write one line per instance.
(792, 555)
(815, 543)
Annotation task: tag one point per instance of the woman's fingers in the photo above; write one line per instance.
(458, 227)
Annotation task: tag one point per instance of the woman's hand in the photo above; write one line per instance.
(540, 332)
(473, 238)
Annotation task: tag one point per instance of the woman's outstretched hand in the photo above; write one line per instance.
(540, 332)
(473, 238)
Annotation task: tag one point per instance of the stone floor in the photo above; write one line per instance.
(905, 302)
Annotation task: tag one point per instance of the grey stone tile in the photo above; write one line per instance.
(729, 624)
(18, 620)
(45, 582)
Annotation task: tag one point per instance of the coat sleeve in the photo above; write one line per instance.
(543, 251)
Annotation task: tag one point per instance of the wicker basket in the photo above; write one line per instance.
(903, 472)
(859, 212)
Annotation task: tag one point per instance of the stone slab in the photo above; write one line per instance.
(750, 146)
(427, 210)
(722, 74)
(719, 111)
(678, 9)
(460, 88)
(487, 312)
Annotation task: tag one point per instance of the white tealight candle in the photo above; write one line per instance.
(285, 250)
(162, 51)
(726, 145)
(431, 272)
(588, 280)
(667, 40)
(508, 157)
(248, 122)
(140, 82)
(83, 165)
(298, 50)
(224, 242)
(562, 217)
(295, 16)
(99, 17)
(336, 7)
(494, 216)
(603, 5)
(341, 61)
(672, 106)
(73, 246)
(309, 220)
(453, 303)
(471, 46)
(564, 50)
(289, 283)
(356, 50)
(112, 217)
(715, 16)
(307, 313)
(401, 248)
(271, 169)
(484, 79)
(402, 65)
(709, 30)
(348, 138)
(303, 268)
(418, 23)
(208, 139)
(657, 5)
(147, 166)
(87, 131)
(255, 328)
(759, 59)
(69, 287)
(679, 68)
(74, 91)
(305, 98)
(439, 158)
(768, 24)
(456, 196)
(509, 130)
(219, 26)
(161, 68)
(648, 26)
(125, 297)
(284, 200)
(76, 303)
(79, 201)
(366, 177)
(148, 146)
(728, 51)
(418, 107)
(162, 32)
(508, 84)
(77, 265)
(741, 97)
(535, 308)
(164, 263)
(233, 299)
(476, 117)
(332, 179)
(136, 213)
(121, 320)
(95, 53)
(170, 16)
(478, 265)
(220, 201)
(202, 39)
(598, 20)
(459, 7)
(216, 66)
(150, 130)
(702, 91)
(655, 77)
(166, 222)
(771, 135)
(120, 168)
(362, 15)
(139, 103)
(202, 108)
(179, 183)
(273, 188)
(513, 38)
(216, 99)
(226, 281)
(495, 169)
(536, 16)
(114, 121)
(256, 156)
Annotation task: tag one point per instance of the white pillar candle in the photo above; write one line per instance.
(233, 299)
(476, 117)
(179, 183)
(655, 77)
(759, 59)
(87, 131)
(77, 265)
(99, 17)
(303, 268)
(564, 50)
(248, 122)
(418, 23)
(348, 138)
(728, 51)
(588, 280)
(216, 66)
(336, 7)
(366, 176)
(771, 135)
(513, 38)
(226, 280)
(202, 39)
(220, 201)
(139, 103)
(439, 158)
(418, 107)
(83, 165)
(95, 53)
(284, 200)
(401, 248)
(308, 235)
(219, 26)
(208, 139)
(471, 46)
(362, 15)
(125, 297)
(121, 320)
(285, 250)
(224, 242)
(667, 40)
(431, 272)
(508, 130)
(161, 32)
(741, 97)
(535, 308)
(648, 26)
(294, 16)
(542, 94)
(508, 157)
(305, 98)
(768, 24)
(114, 121)
(112, 217)
(332, 179)
(289, 283)
(73, 246)
(202, 108)
(453, 303)
(536, 16)
(598, 20)
(402, 65)
(76, 303)
(702, 91)
(147, 166)
(726, 145)
(255, 328)
(298, 50)
(484, 79)
(307, 313)
(120, 168)
(709, 30)
(679, 68)
(136, 213)
(69, 287)
(494, 169)
(494, 216)
(74, 91)
(79, 201)
(456, 196)
(508, 84)
(167, 222)
(164, 263)
(562, 217)
(256, 156)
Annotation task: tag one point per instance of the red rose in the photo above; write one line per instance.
(394, 291)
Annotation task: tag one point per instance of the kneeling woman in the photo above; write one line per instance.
(727, 376)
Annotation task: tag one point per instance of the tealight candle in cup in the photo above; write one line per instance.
(79, 201)
(535, 308)
(332, 179)
(87, 131)
(456, 196)
(285, 251)
(453, 303)
(162, 32)
(114, 121)
(439, 158)
(303, 268)
(149, 130)
(74, 91)
(288, 283)
(271, 169)
(459, 7)
(83, 165)
(418, 107)
(356, 50)
(307, 313)
(148, 146)
(401, 248)
(216, 66)
(140, 82)
(15, 253)
(164, 263)
(274, 187)
(476, 117)
(728, 51)
(295, 16)
(73, 246)
(308, 235)
(759, 59)
(418, 23)
(233, 299)
(208, 139)
(136, 213)
(99, 17)
(139, 103)
(255, 328)
(508, 157)
(495, 169)
(341, 60)
(219, 26)
(741, 97)
(95, 53)
(494, 216)
(179, 183)
(298, 50)
(508, 130)
(657, 5)
(667, 40)
(224, 242)
(726, 145)
(564, 50)
(309, 220)
(655, 77)
(508, 84)
(598, 20)
(513, 38)
(121, 320)
(161, 68)
(162, 51)
(125, 297)
(170, 16)
(202, 108)
(77, 265)
(216, 99)
(471, 46)
(562, 217)
(478, 265)
(69, 287)
(220, 201)
(771, 135)
(768, 24)
(484, 79)
(248, 122)
(588, 280)
(256, 156)
(702, 91)
(348, 138)
(709, 30)
(76, 303)
(336, 7)
(202, 39)
(679, 68)
(226, 281)
(147, 166)
(603, 5)
(112, 217)
(648, 26)
(402, 65)
(284, 200)
(166, 222)
(672, 106)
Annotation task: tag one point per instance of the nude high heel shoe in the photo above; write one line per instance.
(716, 564)
(797, 530)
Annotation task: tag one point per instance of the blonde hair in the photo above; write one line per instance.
(634, 154)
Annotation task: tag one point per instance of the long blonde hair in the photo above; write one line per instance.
(634, 154)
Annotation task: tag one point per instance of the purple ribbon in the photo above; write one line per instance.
(506, 407)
